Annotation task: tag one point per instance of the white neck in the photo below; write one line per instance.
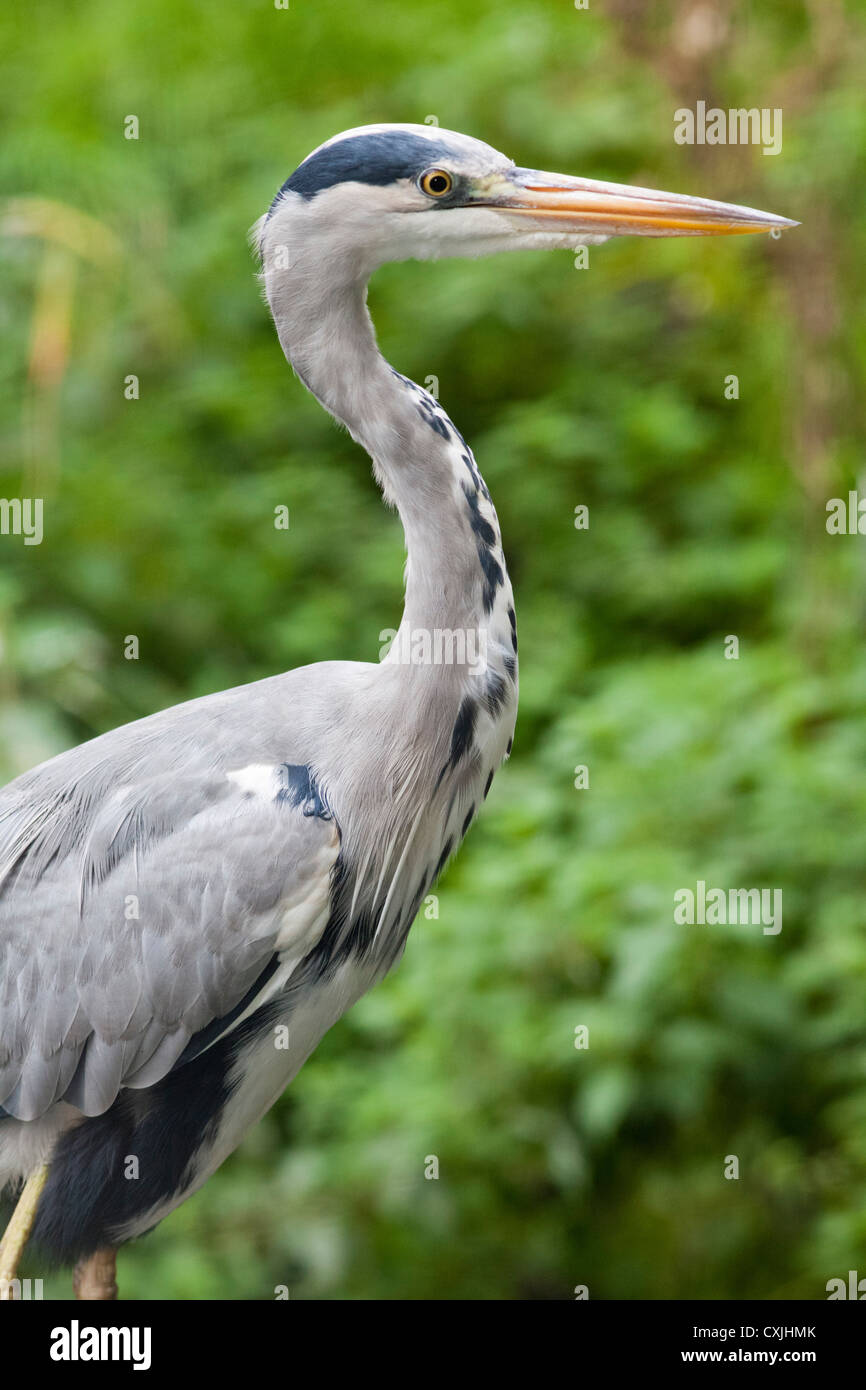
(455, 573)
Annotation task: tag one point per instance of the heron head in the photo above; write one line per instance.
(398, 192)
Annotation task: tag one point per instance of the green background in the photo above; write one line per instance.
(603, 386)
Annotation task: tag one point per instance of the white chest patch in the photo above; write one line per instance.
(261, 779)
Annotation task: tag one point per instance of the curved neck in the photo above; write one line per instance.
(455, 572)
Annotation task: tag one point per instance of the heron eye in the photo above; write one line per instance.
(436, 182)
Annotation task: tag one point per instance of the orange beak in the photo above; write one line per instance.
(587, 206)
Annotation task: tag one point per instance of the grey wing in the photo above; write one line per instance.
(132, 916)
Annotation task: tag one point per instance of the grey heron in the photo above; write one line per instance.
(189, 902)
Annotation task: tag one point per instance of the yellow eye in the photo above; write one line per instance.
(436, 182)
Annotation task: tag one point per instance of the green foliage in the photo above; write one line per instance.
(604, 387)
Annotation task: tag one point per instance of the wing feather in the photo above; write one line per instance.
(136, 911)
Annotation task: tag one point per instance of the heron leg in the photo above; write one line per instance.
(96, 1277)
(16, 1233)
